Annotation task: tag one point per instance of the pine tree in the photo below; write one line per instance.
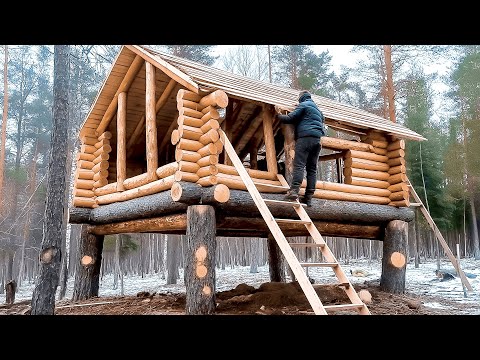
(43, 298)
(424, 159)
(199, 53)
(465, 84)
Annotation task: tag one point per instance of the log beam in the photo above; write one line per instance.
(271, 155)
(150, 120)
(121, 140)
(160, 103)
(124, 86)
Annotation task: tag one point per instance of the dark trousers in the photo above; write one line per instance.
(307, 151)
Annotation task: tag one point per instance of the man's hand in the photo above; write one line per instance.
(281, 111)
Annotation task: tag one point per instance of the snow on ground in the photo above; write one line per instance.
(419, 281)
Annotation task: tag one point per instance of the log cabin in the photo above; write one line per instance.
(177, 147)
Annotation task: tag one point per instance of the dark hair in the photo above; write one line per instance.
(303, 92)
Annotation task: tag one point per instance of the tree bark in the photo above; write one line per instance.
(89, 261)
(10, 290)
(476, 245)
(387, 50)
(254, 255)
(173, 245)
(43, 298)
(200, 260)
(4, 123)
(275, 261)
(394, 262)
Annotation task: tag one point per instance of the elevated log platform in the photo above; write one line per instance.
(237, 216)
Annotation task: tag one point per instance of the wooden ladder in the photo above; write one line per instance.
(438, 235)
(286, 247)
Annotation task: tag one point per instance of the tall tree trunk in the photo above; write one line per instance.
(269, 65)
(387, 50)
(476, 248)
(64, 267)
(24, 92)
(26, 229)
(275, 261)
(173, 246)
(4, 124)
(116, 269)
(43, 298)
(254, 253)
(2, 272)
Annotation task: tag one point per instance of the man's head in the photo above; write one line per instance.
(303, 95)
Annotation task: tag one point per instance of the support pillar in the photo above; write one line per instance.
(394, 261)
(87, 274)
(199, 253)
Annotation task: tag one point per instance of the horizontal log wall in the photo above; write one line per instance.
(92, 168)
(398, 178)
(196, 138)
(378, 166)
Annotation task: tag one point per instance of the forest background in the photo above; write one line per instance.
(435, 92)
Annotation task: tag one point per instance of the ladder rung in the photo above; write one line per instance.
(322, 264)
(271, 186)
(333, 308)
(415, 204)
(284, 202)
(346, 285)
(293, 221)
(306, 245)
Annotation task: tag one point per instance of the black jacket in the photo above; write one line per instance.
(307, 118)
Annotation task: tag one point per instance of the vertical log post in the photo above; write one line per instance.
(199, 253)
(394, 262)
(121, 140)
(271, 155)
(289, 146)
(150, 121)
(275, 261)
(87, 274)
(253, 157)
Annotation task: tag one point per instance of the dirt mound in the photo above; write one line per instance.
(271, 298)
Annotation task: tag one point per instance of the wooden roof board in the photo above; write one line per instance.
(209, 78)
(284, 97)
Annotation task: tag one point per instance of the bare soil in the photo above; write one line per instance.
(270, 298)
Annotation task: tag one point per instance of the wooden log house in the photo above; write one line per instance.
(152, 160)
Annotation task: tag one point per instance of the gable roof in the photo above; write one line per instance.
(204, 79)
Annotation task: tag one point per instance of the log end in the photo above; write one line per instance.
(176, 191)
(221, 193)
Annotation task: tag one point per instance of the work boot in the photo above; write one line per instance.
(307, 199)
(292, 195)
